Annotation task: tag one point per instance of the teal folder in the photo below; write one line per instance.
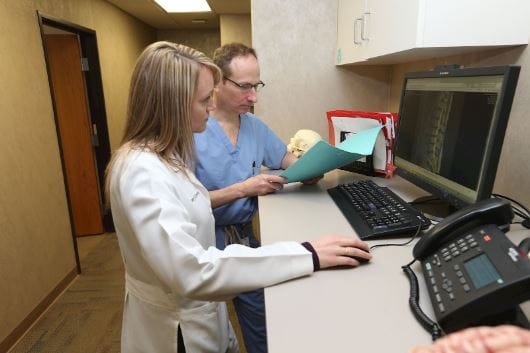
(323, 157)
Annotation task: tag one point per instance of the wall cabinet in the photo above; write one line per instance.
(393, 31)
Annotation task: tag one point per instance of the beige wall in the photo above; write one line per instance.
(206, 40)
(514, 169)
(295, 42)
(36, 250)
(235, 28)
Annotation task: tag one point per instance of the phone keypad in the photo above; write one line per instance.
(461, 246)
(444, 284)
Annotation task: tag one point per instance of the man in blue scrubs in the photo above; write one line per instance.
(230, 153)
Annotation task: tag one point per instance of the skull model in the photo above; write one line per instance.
(302, 141)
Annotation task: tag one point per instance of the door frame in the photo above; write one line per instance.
(97, 112)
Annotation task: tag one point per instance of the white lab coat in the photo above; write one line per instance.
(174, 274)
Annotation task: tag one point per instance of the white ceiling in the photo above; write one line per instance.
(149, 12)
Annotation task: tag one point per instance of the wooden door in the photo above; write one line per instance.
(75, 135)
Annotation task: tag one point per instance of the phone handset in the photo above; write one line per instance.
(490, 211)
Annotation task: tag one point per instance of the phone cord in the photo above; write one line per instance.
(428, 324)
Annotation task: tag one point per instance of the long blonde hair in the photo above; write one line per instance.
(162, 87)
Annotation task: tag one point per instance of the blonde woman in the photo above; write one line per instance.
(176, 279)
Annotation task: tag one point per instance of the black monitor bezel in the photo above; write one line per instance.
(510, 75)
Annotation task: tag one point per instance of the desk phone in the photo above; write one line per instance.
(474, 274)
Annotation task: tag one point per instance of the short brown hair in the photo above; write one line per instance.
(223, 56)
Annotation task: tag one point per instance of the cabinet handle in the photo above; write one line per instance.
(355, 22)
(364, 25)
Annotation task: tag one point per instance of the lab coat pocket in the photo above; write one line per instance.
(147, 327)
(206, 328)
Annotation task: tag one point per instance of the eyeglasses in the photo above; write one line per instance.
(245, 87)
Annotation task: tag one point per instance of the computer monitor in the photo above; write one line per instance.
(451, 128)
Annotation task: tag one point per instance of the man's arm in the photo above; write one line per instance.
(288, 159)
(258, 185)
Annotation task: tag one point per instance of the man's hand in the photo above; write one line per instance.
(262, 184)
(258, 185)
(312, 181)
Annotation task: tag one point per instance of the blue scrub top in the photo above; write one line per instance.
(221, 164)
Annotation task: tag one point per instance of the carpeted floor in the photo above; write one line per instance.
(87, 316)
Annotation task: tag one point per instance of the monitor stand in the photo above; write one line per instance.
(433, 207)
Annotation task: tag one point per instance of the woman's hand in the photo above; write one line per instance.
(340, 251)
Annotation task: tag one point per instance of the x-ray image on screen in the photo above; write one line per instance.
(451, 126)
(448, 132)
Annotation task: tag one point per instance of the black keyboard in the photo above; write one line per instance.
(375, 211)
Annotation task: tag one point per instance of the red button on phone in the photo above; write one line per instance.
(486, 238)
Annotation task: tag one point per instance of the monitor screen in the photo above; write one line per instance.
(451, 127)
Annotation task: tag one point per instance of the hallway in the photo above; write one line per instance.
(87, 315)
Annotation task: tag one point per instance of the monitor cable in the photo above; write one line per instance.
(519, 209)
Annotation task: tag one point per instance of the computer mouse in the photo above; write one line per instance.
(361, 260)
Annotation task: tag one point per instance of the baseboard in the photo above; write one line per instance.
(32, 317)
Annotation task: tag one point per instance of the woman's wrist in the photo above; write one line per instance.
(316, 262)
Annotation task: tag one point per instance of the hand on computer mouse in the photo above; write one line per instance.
(361, 260)
(341, 251)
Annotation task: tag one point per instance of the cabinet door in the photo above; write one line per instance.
(392, 25)
(350, 45)
(473, 23)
